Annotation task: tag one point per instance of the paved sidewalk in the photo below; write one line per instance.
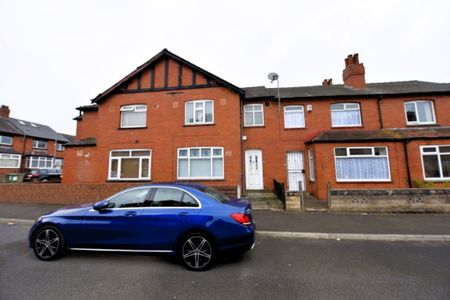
(394, 224)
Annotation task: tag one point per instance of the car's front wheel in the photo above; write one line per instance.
(48, 243)
(197, 252)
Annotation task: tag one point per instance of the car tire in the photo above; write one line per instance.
(197, 252)
(48, 243)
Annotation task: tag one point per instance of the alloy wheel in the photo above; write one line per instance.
(47, 244)
(197, 252)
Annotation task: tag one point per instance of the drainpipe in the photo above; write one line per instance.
(242, 190)
(23, 161)
(408, 171)
(380, 117)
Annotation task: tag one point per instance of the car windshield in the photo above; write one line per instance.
(216, 194)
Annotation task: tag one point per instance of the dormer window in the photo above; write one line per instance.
(419, 113)
(133, 116)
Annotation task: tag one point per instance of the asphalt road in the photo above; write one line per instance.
(276, 269)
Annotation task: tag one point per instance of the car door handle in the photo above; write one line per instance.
(130, 214)
(183, 214)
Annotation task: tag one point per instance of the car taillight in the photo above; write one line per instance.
(243, 219)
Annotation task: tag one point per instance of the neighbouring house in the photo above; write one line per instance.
(172, 120)
(28, 145)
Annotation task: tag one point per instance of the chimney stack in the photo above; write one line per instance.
(354, 72)
(4, 111)
(327, 82)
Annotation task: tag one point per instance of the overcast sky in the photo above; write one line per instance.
(57, 55)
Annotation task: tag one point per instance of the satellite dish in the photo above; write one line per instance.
(272, 76)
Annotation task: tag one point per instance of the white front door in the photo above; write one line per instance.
(253, 170)
(295, 171)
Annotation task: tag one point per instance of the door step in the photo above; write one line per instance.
(264, 200)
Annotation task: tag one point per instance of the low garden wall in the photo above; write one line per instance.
(390, 200)
(62, 193)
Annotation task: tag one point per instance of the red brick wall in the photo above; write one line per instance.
(86, 127)
(66, 193)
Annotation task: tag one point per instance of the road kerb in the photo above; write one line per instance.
(16, 221)
(357, 236)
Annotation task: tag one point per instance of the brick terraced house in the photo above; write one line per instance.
(28, 145)
(171, 120)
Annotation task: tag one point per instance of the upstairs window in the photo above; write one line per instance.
(294, 116)
(253, 115)
(37, 144)
(345, 115)
(362, 164)
(59, 147)
(199, 112)
(436, 162)
(6, 140)
(133, 116)
(419, 112)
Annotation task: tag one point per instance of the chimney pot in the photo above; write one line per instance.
(354, 72)
(4, 111)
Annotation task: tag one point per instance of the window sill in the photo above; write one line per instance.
(295, 128)
(349, 126)
(200, 179)
(363, 181)
(132, 128)
(437, 180)
(128, 180)
(201, 124)
(423, 125)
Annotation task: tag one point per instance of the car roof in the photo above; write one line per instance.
(197, 186)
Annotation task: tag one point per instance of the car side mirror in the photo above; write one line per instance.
(101, 205)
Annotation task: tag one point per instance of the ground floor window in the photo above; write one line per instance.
(11, 161)
(436, 162)
(43, 162)
(129, 164)
(362, 164)
(311, 165)
(200, 163)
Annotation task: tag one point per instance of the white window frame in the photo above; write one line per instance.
(189, 158)
(40, 159)
(2, 138)
(346, 109)
(11, 156)
(438, 153)
(137, 108)
(300, 109)
(348, 155)
(253, 115)
(417, 114)
(312, 173)
(60, 147)
(36, 144)
(119, 164)
(194, 110)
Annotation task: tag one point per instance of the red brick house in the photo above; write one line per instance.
(171, 120)
(28, 145)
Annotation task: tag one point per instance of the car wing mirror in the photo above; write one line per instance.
(101, 205)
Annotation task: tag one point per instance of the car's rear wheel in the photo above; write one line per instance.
(48, 243)
(197, 252)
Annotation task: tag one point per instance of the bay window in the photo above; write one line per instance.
(129, 164)
(40, 162)
(419, 112)
(436, 162)
(133, 116)
(362, 164)
(199, 112)
(345, 115)
(200, 163)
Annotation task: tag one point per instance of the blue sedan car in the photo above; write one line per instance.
(192, 221)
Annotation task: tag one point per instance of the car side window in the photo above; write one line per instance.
(131, 198)
(166, 197)
(189, 201)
